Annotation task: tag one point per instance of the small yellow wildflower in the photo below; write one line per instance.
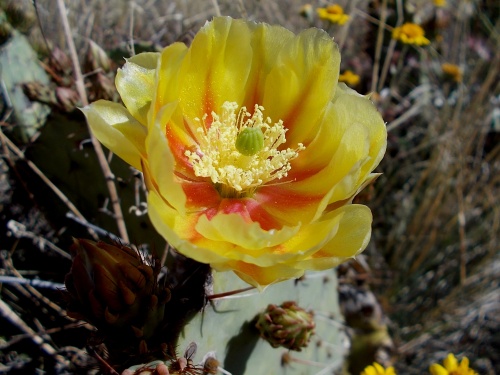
(349, 77)
(333, 13)
(377, 369)
(410, 33)
(452, 367)
(439, 3)
(453, 71)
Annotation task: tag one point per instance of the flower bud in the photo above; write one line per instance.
(111, 287)
(288, 325)
(97, 58)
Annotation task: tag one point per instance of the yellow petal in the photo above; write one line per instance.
(370, 370)
(302, 83)
(464, 363)
(354, 133)
(216, 67)
(365, 142)
(118, 130)
(351, 107)
(178, 230)
(261, 276)
(238, 235)
(266, 43)
(161, 161)
(450, 362)
(167, 75)
(314, 236)
(135, 82)
(233, 228)
(345, 160)
(350, 239)
(436, 369)
(380, 369)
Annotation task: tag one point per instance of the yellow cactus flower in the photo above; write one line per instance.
(349, 77)
(453, 71)
(439, 3)
(377, 369)
(251, 151)
(333, 13)
(410, 33)
(452, 367)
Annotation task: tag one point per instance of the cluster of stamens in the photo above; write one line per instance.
(238, 151)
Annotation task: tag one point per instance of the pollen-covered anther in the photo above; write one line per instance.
(239, 150)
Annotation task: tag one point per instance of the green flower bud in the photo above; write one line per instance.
(288, 325)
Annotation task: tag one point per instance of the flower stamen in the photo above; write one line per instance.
(238, 151)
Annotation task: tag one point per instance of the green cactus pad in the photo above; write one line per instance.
(226, 327)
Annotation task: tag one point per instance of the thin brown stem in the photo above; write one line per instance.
(80, 86)
(378, 49)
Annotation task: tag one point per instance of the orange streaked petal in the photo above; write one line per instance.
(200, 195)
(161, 161)
(287, 204)
(179, 230)
(216, 67)
(302, 83)
(266, 42)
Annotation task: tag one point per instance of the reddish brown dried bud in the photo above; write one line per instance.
(111, 287)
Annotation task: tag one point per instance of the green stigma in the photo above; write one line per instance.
(250, 141)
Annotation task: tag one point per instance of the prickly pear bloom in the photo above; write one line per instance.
(333, 13)
(410, 33)
(377, 369)
(452, 367)
(251, 151)
(288, 325)
(111, 287)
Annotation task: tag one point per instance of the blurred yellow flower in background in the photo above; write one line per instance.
(377, 369)
(251, 151)
(349, 77)
(453, 71)
(333, 13)
(452, 367)
(410, 33)
(439, 3)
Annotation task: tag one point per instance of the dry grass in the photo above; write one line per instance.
(435, 248)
